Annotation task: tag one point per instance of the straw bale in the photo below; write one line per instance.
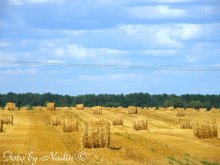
(80, 107)
(96, 134)
(140, 124)
(51, 106)
(132, 110)
(117, 120)
(205, 128)
(70, 125)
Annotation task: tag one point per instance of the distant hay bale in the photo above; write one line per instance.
(56, 120)
(189, 109)
(140, 124)
(139, 108)
(38, 108)
(132, 110)
(152, 108)
(97, 110)
(66, 108)
(205, 128)
(162, 109)
(1, 126)
(96, 134)
(10, 106)
(171, 108)
(202, 109)
(79, 106)
(23, 108)
(7, 119)
(117, 120)
(119, 109)
(185, 123)
(180, 112)
(51, 106)
(44, 108)
(58, 108)
(214, 110)
(70, 125)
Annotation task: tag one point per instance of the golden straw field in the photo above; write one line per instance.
(38, 137)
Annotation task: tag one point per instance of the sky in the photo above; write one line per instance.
(182, 33)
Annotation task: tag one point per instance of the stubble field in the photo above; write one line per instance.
(32, 139)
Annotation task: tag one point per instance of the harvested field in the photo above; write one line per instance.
(164, 139)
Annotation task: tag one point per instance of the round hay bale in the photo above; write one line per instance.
(50, 106)
(180, 112)
(7, 119)
(140, 124)
(79, 106)
(151, 108)
(70, 125)
(205, 128)
(97, 110)
(185, 123)
(1, 126)
(214, 110)
(37, 108)
(171, 108)
(202, 109)
(10, 106)
(56, 120)
(96, 134)
(117, 120)
(132, 110)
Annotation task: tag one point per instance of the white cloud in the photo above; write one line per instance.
(5, 44)
(81, 52)
(55, 62)
(22, 2)
(90, 77)
(173, 1)
(131, 29)
(166, 37)
(74, 32)
(114, 77)
(187, 31)
(159, 52)
(19, 71)
(191, 58)
(160, 11)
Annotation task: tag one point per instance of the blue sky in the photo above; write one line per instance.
(122, 32)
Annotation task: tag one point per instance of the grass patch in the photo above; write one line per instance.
(171, 158)
(117, 133)
(205, 162)
(187, 154)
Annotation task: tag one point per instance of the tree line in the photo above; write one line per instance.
(113, 100)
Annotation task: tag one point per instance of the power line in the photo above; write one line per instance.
(106, 66)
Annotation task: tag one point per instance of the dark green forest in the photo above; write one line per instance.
(112, 100)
